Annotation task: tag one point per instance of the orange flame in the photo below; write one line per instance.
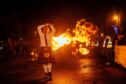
(82, 33)
(61, 41)
(83, 51)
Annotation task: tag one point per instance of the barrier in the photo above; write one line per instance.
(120, 55)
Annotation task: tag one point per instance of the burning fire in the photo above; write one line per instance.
(83, 33)
(61, 40)
(83, 51)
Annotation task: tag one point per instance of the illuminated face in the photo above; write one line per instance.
(46, 29)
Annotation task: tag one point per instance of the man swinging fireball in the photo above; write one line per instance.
(46, 32)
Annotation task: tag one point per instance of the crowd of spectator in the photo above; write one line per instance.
(12, 48)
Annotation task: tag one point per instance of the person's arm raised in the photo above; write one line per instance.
(40, 29)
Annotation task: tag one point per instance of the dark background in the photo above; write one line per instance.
(20, 18)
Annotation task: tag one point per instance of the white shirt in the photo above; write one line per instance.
(48, 36)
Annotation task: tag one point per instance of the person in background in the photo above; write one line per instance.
(46, 32)
(107, 45)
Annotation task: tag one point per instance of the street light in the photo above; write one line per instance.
(116, 18)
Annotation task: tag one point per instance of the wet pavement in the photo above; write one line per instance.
(68, 69)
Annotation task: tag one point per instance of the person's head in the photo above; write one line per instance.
(46, 29)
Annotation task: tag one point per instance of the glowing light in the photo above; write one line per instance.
(82, 33)
(83, 51)
(61, 41)
(116, 17)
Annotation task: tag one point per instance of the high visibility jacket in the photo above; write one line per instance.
(107, 42)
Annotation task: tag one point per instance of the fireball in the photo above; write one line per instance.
(83, 33)
(63, 39)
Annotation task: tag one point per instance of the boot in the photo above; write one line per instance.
(49, 76)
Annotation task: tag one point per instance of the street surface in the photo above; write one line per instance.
(68, 69)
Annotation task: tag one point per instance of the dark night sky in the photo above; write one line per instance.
(62, 13)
